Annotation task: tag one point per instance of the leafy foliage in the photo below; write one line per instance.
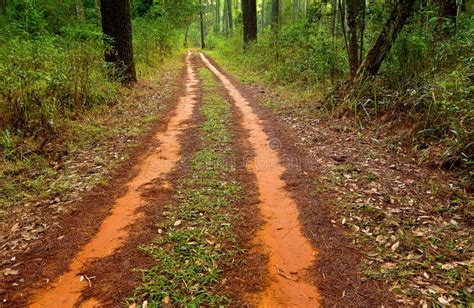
(426, 78)
(52, 67)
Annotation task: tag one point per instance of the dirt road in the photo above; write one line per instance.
(96, 272)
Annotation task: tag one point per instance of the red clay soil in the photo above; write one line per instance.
(66, 290)
(337, 271)
(116, 276)
(280, 237)
(248, 275)
(50, 257)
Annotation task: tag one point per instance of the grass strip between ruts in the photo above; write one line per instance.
(196, 235)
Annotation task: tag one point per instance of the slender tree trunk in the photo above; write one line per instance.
(218, 13)
(213, 12)
(448, 8)
(333, 17)
(229, 14)
(80, 9)
(186, 33)
(3, 6)
(201, 16)
(342, 14)
(225, 16)
(295, 10)
(353, 43)
(302, 8)
(117, 26)
(361, 22)
(387, 36)
(249, 15)
(275, 15)
(263, 14)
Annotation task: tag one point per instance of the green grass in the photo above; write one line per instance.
(196, 236)
(100, 137)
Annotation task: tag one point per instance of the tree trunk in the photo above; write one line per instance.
(249, 15)
(116, 25)
(218, 13)
(447, 8)
(229, 14)
(186, 34)
(263, 14)
(275, 14)
(352, 42)
(361, 22)
(387, 36)
(302, 10)
(295, 10)
(80, 9)
(225, 16)
(201, 17)
(333, 17)
(3, 6)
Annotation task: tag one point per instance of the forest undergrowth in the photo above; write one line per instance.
(420, 102)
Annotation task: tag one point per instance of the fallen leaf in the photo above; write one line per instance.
(177, 223)
(10, 271)
(388, 265)
(448, 266)
(443, 301)
(15, 227)
(395, 246)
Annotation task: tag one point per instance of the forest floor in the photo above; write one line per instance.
(228, 195)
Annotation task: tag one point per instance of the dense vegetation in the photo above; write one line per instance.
(398, 72)
(52, 67)
(424, 84)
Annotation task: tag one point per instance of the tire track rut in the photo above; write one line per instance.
(281, 238)
(66, 290)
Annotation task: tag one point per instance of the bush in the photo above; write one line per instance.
(301, 53)
(46, 77)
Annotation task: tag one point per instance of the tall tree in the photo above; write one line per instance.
(333, 17)
(201, 17)
(117, 27)
(275, 14)
(447, 8)
(218, 14)
(229, 14)
(354, 35)
(295, 9)
(225, 18)
(3, 6)
(262, 21)
(249, 15)
(387, 36)
(80, 9)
